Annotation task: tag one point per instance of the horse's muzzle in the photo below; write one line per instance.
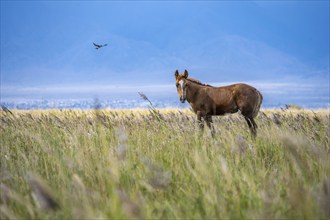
(182, 100)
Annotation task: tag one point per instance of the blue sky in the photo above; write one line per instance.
(278, 46)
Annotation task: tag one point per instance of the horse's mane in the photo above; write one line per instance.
(198, 82)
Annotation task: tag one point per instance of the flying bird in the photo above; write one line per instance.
(98, 46)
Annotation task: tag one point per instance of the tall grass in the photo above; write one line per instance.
(127, 164)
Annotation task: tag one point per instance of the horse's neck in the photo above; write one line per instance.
(193, 90)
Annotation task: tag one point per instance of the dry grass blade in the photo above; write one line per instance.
(121, 134)
(6, 213)
(323, 198)
(42, 194)
(5, 194)
(158, 177)
(242, 146)
(9, 196)
(129, 207)
(144, 97)
(121, 150)
(78, 183)
(153, 111)
(276, 119)
(292, 145)
(5, 109)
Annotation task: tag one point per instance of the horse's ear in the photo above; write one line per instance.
(185, 74)
(176, 74)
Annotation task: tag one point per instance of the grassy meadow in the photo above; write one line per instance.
(151, 164)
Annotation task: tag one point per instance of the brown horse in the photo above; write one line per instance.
(207, 100)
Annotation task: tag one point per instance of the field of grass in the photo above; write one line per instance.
(157, 164)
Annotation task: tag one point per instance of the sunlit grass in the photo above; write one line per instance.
(128, 164)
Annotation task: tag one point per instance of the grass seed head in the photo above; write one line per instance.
(121, 151)
(5, 194)
(130, 208)
(223, 165)
(240, 145)
(323, 197)
(121, 134)
(78, 183)
(42, 194)
(160, 179)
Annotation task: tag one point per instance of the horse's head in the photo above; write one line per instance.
(180, 82)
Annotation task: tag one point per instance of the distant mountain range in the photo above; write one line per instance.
(130, 62)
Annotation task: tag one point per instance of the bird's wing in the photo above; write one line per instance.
(96, 45)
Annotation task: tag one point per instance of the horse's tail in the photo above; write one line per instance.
(258, 104)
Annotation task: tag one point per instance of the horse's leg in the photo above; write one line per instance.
(199, 120)
(209, 123)
(251, 126)
(255, 126)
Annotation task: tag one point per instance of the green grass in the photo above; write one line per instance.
(131, 164)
